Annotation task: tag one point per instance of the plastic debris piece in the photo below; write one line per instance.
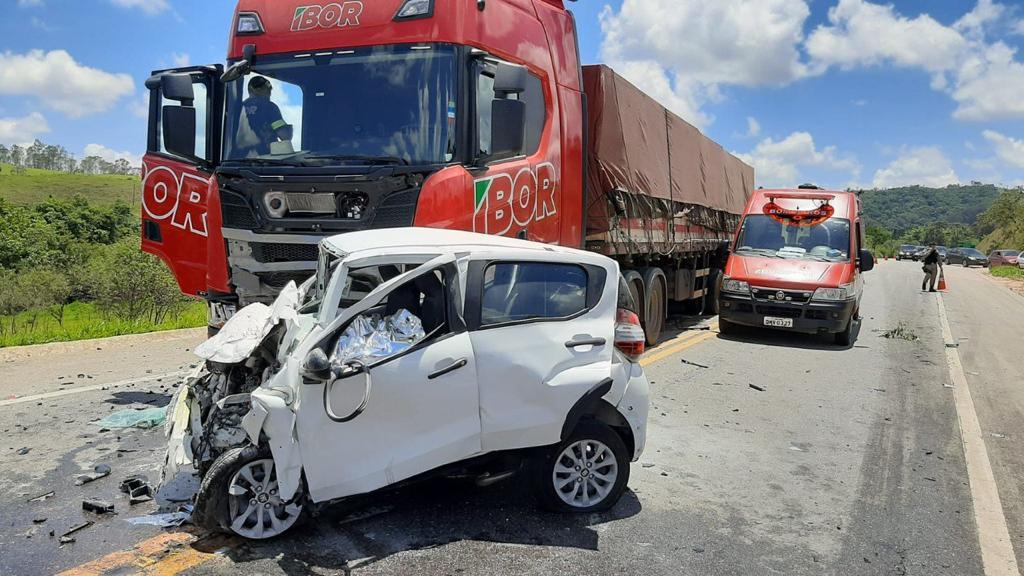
(41, 497)
(23, 451)
(166, 520)
(100, 471)
(758, 388)
(76, 528)
(66, 540)
(148, 418)
(39, 520)
(685, 361)
(137, 488)
(97, 506)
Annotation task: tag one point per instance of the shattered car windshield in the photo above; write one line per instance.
(762, 235)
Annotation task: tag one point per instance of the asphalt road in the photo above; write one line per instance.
(848, 462)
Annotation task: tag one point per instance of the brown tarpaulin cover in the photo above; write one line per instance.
(640, 148)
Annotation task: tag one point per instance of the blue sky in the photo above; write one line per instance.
(839, 92)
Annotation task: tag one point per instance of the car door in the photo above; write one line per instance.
(542, 334)
(421, 404)
(180, 208)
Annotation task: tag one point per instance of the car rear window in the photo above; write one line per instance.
(516, 292)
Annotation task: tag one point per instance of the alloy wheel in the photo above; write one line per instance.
(256, 508)
(585, 473)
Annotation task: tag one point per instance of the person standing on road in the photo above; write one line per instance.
(932, 263)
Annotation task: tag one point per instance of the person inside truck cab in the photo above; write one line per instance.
(262, 124)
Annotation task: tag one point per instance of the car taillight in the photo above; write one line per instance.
(629, 336)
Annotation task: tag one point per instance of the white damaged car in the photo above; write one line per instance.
(417, 352)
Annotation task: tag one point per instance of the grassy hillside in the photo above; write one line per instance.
(900, 209)
(35, 186)
(1004, 223)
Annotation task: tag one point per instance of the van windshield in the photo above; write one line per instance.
(762, 235)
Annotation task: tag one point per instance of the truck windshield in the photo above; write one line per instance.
(762, 235)
(383, 104)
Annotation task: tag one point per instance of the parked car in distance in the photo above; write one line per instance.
(921, 251)
(417, 352)
(967, 257)
(907, 251)
(1003, 258)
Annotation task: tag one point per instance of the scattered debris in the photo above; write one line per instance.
(66, 540)
(41, 497)
(997, 435)
(97, 506)
(137, 488)
(23, 451)
(146, 418)
(685, 361)
(756, 387)
(647, 464)
(797, 449)
(76, 528)
(166, 520)
(100, 471)
(698, 549)
(952, 344)
(900, 332)
(39, 520)
(929, 479)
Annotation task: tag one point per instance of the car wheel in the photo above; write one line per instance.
(586, 472)
(240, 495)
(845, 338)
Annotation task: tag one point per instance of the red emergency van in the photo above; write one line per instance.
(796, 264)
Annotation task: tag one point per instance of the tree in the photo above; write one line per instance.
(148, 291)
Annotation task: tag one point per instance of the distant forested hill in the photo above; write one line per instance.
(900, 209)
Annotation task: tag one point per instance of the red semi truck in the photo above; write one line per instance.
(462, 114)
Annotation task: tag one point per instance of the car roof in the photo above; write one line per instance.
(444, 241)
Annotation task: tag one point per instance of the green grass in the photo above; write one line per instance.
(83, 320)
(35, 186)
(1008, 272)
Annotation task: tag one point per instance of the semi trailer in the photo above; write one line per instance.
(470, 115)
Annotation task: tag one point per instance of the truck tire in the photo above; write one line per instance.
(711, 304)
(655, 309)
(560, 471)
(219, 509)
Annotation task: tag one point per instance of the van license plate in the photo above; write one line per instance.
(778, 322)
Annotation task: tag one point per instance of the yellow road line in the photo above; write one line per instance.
(993, 534)
(683, 342)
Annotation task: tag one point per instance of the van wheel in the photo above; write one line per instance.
(726, 328)
(239, 495)
(845, 338)
(586, 472)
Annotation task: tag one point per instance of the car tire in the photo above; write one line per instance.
(845, 338)
(726, 328)
(218, 509)
(559, 472)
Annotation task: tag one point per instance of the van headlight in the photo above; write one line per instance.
(844, 292)
(735, 286)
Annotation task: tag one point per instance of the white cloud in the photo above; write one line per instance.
(42, 25)
(150, 7)
(985, 12)
(29, 3)
(682, 51)
(22, 130)
(111, 155)
(778, 163)
(180, 59)
(140, 106)
(1009, 150)
(753, 127)
(924, 166)
(990, 86)
(860, 33)
(61, 83)
(859, 103)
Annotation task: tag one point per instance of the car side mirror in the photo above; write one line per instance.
(179, 130)
(316, 366)
(867, 261)
(508, 129)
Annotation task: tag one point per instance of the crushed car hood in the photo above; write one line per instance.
(248, 327)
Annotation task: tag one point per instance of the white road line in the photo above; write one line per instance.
(80, 389)
(993, 534)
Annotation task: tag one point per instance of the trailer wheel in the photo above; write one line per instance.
(655, 308)
(711, 304)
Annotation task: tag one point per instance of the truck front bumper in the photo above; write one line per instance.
(808, 317)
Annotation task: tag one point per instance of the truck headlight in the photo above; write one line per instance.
(735, 286)
(276, 203)
(844, 292)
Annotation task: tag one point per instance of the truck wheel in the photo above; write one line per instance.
(239, 495)
(586, 472)
(711, 304)
(655, 309)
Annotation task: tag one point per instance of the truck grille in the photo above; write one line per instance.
(236, 212)
(397, 210)
(281, 279)
(268, 253)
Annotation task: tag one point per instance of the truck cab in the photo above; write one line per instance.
(797, 264)
(353, 115)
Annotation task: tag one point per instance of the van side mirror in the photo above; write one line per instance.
(179, 130)
(867, 261)
(508, 128)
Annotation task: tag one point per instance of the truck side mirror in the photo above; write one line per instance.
(510, 78)
(177, 87)
(508, 128)
(179, 130)
(867, 261)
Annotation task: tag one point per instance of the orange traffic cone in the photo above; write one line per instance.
(942, 280)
